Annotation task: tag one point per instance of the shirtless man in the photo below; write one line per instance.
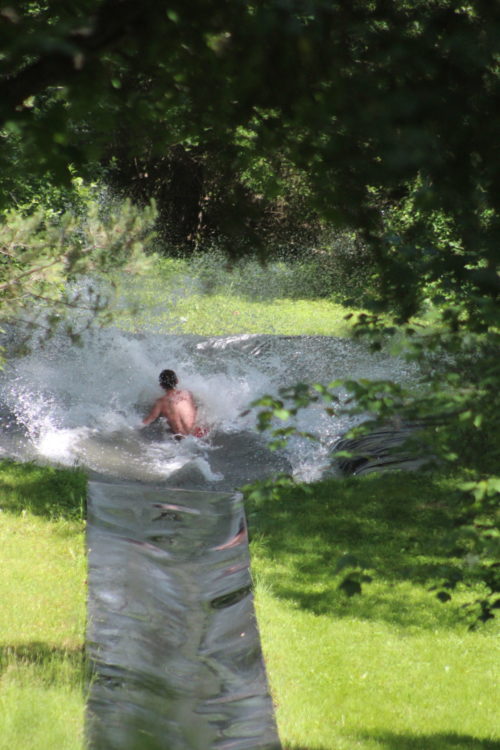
(177, 406)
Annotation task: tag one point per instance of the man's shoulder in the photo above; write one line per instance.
(163, 402)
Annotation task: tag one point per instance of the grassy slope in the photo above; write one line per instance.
(42, 616)
(393, 669)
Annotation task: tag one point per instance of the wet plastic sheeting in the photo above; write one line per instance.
(172, 640)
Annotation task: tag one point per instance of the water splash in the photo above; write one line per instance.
(84, 405)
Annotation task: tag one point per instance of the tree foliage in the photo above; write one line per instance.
(457, 418)
(374, 100)
(388, 110)
(54, 267)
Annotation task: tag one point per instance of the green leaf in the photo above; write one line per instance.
(282, 414)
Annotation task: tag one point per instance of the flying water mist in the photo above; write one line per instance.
(84, 405)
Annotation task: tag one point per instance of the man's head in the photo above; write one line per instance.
(168, 379)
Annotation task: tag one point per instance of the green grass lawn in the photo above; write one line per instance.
(42, 612)
(172, 299)
(341, 683)
(209, 315)
(392, 669)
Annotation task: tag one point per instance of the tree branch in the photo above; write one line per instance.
(30, 272)
(66, 303)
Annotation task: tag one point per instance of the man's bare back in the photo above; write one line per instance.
(179, 410)
(177, 406)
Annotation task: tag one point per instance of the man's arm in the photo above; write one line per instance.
(153, 414)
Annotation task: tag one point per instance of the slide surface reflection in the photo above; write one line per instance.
(172, 640)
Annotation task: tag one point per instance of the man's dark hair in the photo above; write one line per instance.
(168, 379)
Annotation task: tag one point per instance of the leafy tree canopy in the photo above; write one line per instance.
(377, 100)
(42, 253)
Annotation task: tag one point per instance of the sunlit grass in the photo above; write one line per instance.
(38, 553)
(42, 612)
(345, 682)
(178, 297)
(208, 315)
(392, 669)
(214, 315)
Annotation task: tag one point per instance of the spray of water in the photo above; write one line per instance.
(84, 405)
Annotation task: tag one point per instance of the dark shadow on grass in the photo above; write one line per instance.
(441, 741)
(38, 653)
(396, 524)
(42, 490)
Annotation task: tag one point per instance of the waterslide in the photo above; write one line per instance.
(172, 638)
(174, 653)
